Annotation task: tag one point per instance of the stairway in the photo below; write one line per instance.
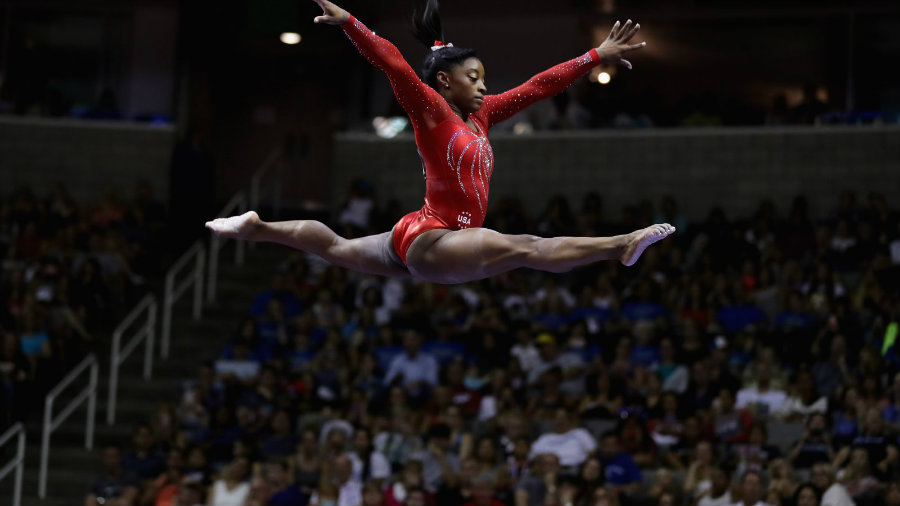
(71, 467)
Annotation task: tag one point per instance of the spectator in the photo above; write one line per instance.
(409, 483)
(114, 486)
(571, 444)
(232, 489)
(619, 468)
(731, 425)
(719, 491)
(438, 465)
(283, 492)
(369, 465)
(815, 446)
(782, 487)
(857, 476)
(802, 400)
(833, 372)
(307, 462)
(416, 497)
(833, 492)
(761, 399)
(461, 440)
(753, 490)
(337, 484)
(189, 494)
(144, 460)
(282, 441)
(163, 490)
(490, 464)
(756, 452)
(372, 495)
(483, 492)
(807, 495)
(537, 486)
(414, 369)
(570, 365)
(398, 442)
(698, 480)
(460, 491)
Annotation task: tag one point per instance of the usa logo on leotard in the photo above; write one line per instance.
(464, 220)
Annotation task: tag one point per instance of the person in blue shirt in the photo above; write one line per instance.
(620, 470)
(283, 492)
(416, 370)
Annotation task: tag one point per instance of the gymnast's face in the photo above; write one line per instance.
(463, 85)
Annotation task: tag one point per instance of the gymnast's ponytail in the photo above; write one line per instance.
(439, 55)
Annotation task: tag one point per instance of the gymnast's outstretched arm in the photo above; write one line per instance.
(420, 101)
(497, 108)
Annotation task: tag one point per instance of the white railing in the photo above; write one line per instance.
(119, 354)
(17, 463)
(237, 205)
(173, 292)
(51, 423)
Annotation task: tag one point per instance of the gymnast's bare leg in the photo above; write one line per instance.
(445, 256)
(365, 254)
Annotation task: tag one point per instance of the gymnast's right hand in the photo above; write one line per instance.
(331, 14)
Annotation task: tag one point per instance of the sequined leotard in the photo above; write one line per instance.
(458, 161)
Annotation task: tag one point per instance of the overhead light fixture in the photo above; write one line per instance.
(290, 38)
(603, 78)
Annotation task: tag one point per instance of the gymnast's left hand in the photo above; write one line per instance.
(618, 43)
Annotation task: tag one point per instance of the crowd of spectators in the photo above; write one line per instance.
(69, 271)
(748, 361)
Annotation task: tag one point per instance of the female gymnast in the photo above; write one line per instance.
(451, 113)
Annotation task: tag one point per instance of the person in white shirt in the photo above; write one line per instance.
(417, 370)
(752, 490)
(525, 351)
(834, 494)
(761, 398)
(571, 444)
(349, 491)
(719, 493)
(232, 489)
(368, 464)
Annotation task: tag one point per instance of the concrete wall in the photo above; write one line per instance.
(734, 168)
(88, 157)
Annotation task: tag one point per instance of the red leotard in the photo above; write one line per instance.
(458, 161)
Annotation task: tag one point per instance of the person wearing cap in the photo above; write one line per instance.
(571, 365)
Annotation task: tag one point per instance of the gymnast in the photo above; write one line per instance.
(451, 114)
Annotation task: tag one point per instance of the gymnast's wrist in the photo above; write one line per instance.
(595, 55)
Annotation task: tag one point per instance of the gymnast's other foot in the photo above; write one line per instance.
(236, 227)
(638, 241)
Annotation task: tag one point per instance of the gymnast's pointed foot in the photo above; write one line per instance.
(236, 227)
(638, 241)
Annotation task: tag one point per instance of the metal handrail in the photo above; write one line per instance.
(17, 463)
(51, 423)
(172, 292)
(237, 205)
(119, 354)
